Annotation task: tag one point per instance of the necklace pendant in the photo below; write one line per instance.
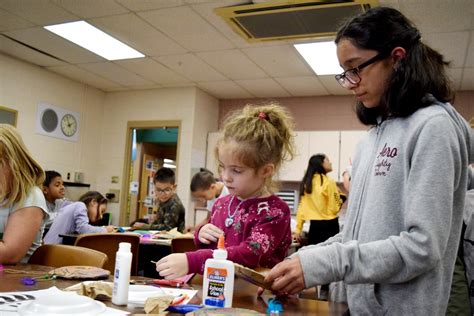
(228, 222)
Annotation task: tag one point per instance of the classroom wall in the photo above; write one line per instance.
(23, 85)
(99, 152)
(330, 112)
(188, 105)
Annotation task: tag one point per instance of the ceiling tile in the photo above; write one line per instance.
(263, 88)
(279, 61)
(191, 67)
(233, 64)
(302, 86)
(468, 79)
(84, 76)
(152, 70)
(10, 21)
(198, 35)
(54, 45)
(91, 8)
(144, 5)
(19, 51)
(439, 15)
(455, 74)
(452, 45)
(333, 87)
(140, 35)
(116, 73)
(41, 12)
(224, 89)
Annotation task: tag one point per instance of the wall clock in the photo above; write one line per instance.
(57, 122)
(69, 125)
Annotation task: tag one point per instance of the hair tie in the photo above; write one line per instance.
(262, 116)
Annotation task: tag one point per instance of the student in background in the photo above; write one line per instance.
(22, 205)
(75, 218)
(320, 202)
(170, 212)
(53, 190)
(205, 186)
(255, 222)
(397, 250)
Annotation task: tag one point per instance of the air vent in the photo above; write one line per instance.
(295, 19)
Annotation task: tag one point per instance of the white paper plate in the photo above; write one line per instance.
(137, 294)
(62, 304)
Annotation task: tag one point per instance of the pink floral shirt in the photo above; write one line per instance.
(259, 235)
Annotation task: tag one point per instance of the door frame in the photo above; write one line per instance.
(131, 125)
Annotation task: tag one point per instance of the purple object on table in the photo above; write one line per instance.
(146, 236)
(28, 281)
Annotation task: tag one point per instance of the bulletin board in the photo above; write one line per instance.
(8, 116)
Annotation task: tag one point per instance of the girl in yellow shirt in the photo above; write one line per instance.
(320, 201)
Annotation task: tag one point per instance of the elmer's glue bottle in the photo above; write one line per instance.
(218, 286)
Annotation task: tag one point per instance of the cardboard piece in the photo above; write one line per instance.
(251, 276)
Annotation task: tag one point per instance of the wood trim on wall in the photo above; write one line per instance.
(128, 154)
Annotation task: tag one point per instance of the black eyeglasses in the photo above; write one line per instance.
(351, 76)
(164, 191)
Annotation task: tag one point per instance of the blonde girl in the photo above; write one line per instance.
(22, 204)
(255, 222)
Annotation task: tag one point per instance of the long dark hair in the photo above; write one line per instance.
(315, 165)
(88, 197)
(422, 71)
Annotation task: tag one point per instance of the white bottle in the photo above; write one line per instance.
(218, 287)
(123, 264)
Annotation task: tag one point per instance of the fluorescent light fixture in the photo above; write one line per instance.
(167, 165)
(95, 40)
(166, 160)
(321, 56)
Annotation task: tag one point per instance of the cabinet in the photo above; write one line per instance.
(349, 141)
(325, 142)
(294, 170)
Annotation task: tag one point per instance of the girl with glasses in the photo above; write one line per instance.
(397, 250)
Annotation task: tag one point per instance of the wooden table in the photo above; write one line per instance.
(244, 294)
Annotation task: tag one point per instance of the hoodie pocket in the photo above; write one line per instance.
(372, 290)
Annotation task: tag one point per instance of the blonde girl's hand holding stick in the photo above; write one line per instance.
(173, 266)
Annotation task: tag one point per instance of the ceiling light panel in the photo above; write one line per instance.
(94, 40)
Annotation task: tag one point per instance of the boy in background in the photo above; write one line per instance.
(204, 186)
(53, 191)
(170, 212)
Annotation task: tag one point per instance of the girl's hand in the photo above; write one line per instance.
(173, 266)
(297, 237)
(209, 233)
(138, 225)
(287, 277)
(110, 229)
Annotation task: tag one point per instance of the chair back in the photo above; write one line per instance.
(108, 243)
(57, 256)
(179, 245)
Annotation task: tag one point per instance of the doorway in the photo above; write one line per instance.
(150, 145)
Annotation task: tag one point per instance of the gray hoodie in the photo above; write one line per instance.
(397, 250)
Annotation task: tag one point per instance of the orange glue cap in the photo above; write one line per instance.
(221, 244)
